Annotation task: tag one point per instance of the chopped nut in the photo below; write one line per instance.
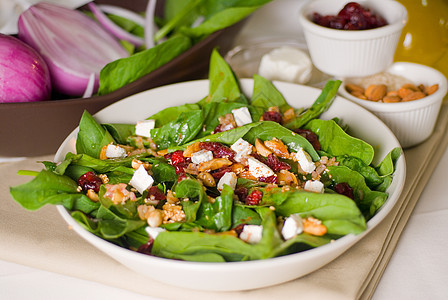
(391, 99)
(277, 146)
(214, 164)
(261, 148)
(92, 195)
(207, 179)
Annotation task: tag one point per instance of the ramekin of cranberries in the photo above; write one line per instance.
(353, 16)
(348, 39)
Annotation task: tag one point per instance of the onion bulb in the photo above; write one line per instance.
(24, 75)
(73, 45)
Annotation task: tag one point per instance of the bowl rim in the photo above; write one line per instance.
(353, 35)
(403, 106)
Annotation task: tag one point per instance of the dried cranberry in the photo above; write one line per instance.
(177, 157)
(146, 248)
(219, 150)
(156, 193)
(269, 179)
(217, 174)
(310, 136)
(90, 181)
(352, 16)
(344, 189)
(275, 164)
(274, 116)
(254, 197)
(241, 193)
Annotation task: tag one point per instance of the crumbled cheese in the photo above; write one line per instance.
(314, 186)
(228, 178)
(153, 232)
(304, 159)
(242, 116)
(141, 180)
(252, 234)
(201, 156)
(292, 226)
(259, 169)
(242, 149)
(286, 64)
(115, 151)
(143, 128)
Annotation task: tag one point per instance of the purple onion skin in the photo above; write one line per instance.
(24, 75)
(73, 45)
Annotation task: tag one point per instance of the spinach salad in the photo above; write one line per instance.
(227, 178)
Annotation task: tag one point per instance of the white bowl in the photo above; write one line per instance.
(352, 52)
(249, 274)
(412, 122)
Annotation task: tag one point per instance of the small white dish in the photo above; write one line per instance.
(412, 122)
(251, 274)
(345, 53)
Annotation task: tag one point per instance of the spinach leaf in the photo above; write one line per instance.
(126, 70)
(223, 83)
(195, 192)
(387, 166)
(92, 137)
(266, 95)
(244, 215)
(46, 188)
(218, 214)
(170, 114)
(368, 201)
(320, 105)
(369, 173)
(338, 213)
(337, 142)
(180, 131)
(191, 245)
(120, 132)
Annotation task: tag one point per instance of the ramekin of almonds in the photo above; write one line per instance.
(407, 97)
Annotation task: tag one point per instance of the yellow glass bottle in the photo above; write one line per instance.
(424, 39)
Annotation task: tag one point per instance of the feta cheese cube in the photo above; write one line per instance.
(314, 186)
(242, 149)
(286, 64)
(228, 178)
(252, 234)
(292, 226)
(304, 159)
(115, 151)
(141, 180)
(143, 128)
(153, 232)
(242, 116)
(201, 156)
(259, 169)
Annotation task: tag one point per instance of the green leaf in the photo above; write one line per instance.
(218, 214)
(338, 213)
(334, 140)
(46, 188)
(92, 137)
(320, 105)
(126, 70)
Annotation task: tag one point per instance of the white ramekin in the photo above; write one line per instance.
(345, 53)
(412, 122)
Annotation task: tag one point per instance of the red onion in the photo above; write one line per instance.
(24, 75)
(113, 28)
(72, 44)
